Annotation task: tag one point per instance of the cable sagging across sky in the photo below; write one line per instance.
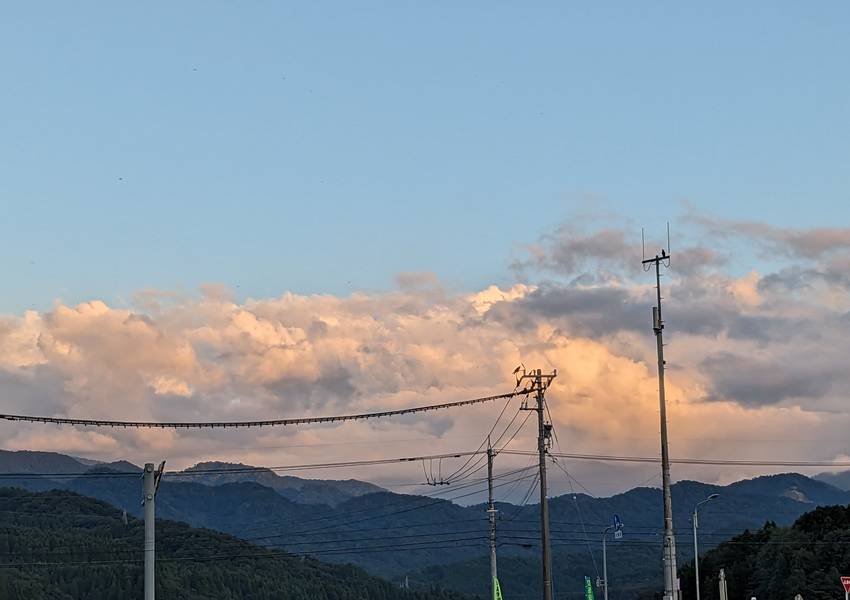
(267, 423)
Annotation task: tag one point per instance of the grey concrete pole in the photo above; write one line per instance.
(544, 500)
(149, 499)
(491, 517)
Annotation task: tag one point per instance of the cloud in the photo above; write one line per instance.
(417, 280)
(812, 244)
(753, 381)
(761, 352)
(569, 250)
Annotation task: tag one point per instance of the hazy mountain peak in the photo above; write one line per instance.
(297, 489)
(841, 480)
(31, 461)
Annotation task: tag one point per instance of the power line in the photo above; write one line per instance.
(689, 461)
(256, 555)
(432, 500)
(267, 423)
(481, 446)
(235, 470)
(481, 463)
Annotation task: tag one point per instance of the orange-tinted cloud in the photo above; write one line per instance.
(750, 365)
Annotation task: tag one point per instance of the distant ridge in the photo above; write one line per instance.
(841, 480)
(297, 489)
(32, 461)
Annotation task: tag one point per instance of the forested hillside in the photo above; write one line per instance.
(807, 558)
(61, 546)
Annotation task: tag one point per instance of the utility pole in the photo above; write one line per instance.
(491, 517)
(544, 432)
(150, 484)
(671, 588)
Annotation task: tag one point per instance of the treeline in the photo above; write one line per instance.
(61, 546)
(807, 558)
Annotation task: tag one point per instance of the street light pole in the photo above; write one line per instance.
(617, 528)
(605, 561)
(696, 548)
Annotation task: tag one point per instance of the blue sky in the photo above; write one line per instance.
(325, 147)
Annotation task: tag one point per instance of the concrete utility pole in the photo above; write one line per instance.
(696, 548)
(671, 587)
(150, 484)
(544, 432)
(491, 517)
(542, 441)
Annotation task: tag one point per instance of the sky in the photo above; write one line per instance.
(278, 208)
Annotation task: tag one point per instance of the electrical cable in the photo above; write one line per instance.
(265, 423)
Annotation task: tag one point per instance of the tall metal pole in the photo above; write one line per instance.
(671, 591)
(670, 572)
(542, 437)
(149, 500)
(491, 517)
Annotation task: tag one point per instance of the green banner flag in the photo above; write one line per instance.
(588, 588)
(497, 591)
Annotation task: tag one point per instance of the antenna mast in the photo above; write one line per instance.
(671, 586)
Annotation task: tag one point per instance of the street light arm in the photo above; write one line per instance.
(707, 500)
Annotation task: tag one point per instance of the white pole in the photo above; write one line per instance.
(696, 526)
(604, 565)
(491, 518)
(696, 553)
(149, 500)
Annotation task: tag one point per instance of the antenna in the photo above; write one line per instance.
(663, 258)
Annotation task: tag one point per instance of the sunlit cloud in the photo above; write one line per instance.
(752, 359)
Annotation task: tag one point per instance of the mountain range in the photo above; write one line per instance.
(429, 540)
